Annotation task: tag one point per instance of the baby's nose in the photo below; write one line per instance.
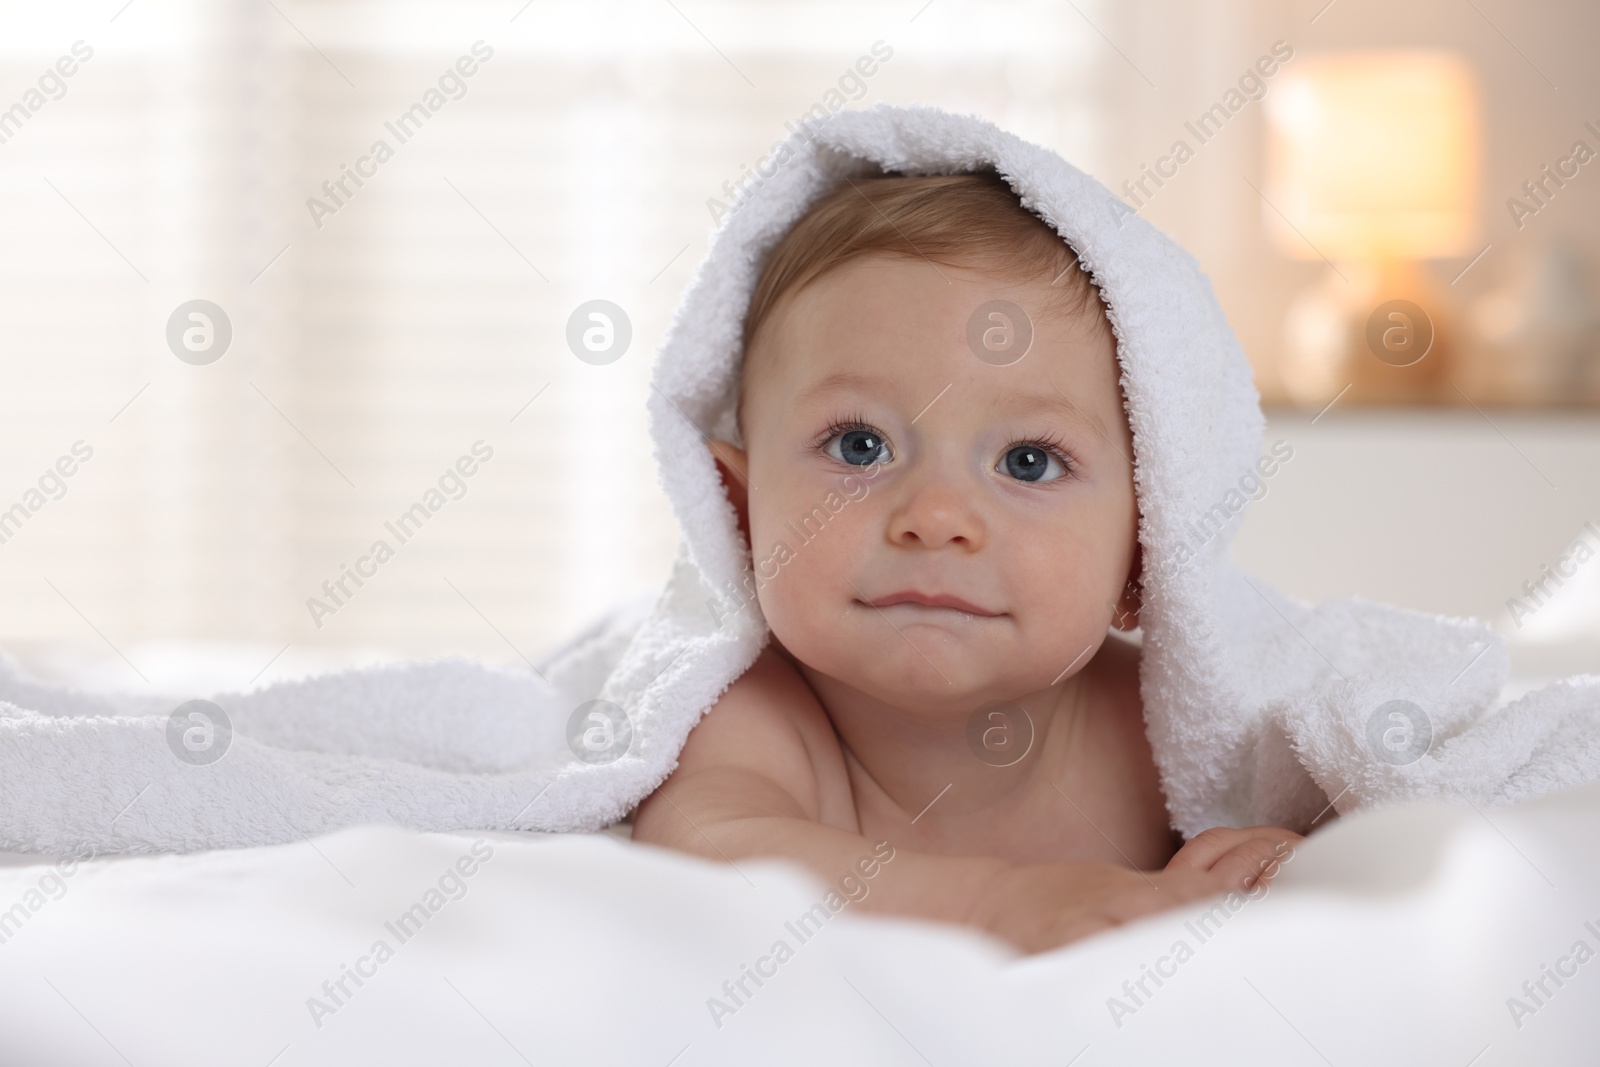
(937, 514)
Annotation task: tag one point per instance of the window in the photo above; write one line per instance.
(404, 317)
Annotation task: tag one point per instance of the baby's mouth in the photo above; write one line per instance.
(933, 600)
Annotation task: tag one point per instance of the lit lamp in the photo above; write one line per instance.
(1373, 164)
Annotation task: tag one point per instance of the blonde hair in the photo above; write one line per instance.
(954, 219)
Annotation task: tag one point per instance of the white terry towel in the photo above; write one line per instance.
(1260, 708)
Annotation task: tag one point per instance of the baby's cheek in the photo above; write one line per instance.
(803, 581)
(1062, 592)
(807, 588)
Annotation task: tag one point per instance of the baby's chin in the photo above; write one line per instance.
(929, 667)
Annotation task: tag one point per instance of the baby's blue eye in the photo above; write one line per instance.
(1031, 463)
(859, 448)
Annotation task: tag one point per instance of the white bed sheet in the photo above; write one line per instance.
(1392, 937)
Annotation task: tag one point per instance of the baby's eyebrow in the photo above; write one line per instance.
(1058, 404)
(844, 379)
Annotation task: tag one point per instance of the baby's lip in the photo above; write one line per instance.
(932, 600)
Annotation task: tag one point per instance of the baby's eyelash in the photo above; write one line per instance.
(844, 425)
(1051, 444)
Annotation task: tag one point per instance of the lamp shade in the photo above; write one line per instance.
(1375, 155)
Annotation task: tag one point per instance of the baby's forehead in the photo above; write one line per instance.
(907, 323)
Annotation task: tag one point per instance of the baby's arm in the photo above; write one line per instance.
(747, 785)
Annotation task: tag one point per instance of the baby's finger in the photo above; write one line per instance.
(1253, 860)
(1159, 890)
(1184, 884)
(1203, 850)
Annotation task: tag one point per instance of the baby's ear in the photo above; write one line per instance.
(1125, 615)
(733, 466)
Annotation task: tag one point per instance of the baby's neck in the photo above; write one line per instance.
(912, 756)
(915, 774)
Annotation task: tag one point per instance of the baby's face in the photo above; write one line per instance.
(931, 529)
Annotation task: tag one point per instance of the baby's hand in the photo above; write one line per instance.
(1242, 858)
(1040, 906)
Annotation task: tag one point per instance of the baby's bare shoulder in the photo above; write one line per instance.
(770, 700)
(766, 747)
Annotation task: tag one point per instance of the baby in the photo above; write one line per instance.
(942, 673)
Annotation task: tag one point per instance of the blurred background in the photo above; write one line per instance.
(1399, 206)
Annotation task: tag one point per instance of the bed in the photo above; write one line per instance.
(1420, 934)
